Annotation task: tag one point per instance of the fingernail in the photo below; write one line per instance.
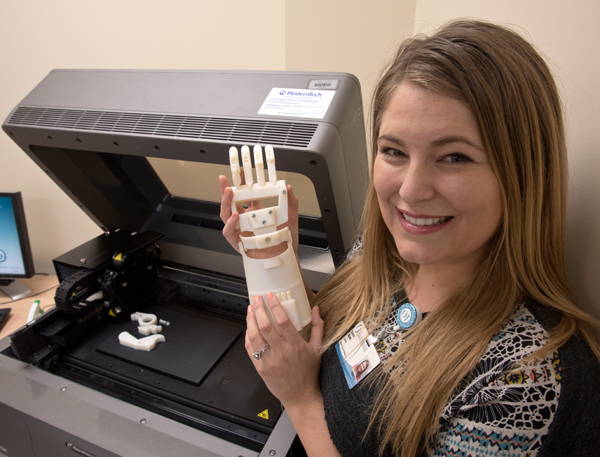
(269, 295)
(249, 309)
(256, 298)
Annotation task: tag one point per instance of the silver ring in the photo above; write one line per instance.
(257, 354)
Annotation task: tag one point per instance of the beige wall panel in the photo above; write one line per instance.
(351, 36)
(180, 34)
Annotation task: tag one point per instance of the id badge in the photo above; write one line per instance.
(357, 355)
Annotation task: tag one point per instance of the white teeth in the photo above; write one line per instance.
(424, 222)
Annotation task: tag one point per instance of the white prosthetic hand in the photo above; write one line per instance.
(280, 274)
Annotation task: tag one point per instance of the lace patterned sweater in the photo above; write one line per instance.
(547, 408)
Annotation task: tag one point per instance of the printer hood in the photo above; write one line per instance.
(141, 150)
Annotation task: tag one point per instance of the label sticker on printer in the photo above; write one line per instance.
(297, 103)
(330, 84)
(78, 450)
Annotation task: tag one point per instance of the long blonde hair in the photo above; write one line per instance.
(513, 96)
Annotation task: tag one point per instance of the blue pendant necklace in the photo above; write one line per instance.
(408, 315)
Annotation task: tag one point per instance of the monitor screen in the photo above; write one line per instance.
(15, 254)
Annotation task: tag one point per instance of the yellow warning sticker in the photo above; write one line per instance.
(264, 414)
(110, 313)
(118, 257)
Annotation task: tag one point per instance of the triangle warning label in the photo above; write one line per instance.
(264, 414)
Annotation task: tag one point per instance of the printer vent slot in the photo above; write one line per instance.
(276, 133)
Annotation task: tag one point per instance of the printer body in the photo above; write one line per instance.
(139, 152)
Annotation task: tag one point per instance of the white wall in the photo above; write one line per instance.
(567, 34)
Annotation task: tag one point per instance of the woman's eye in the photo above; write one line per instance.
(456, 157)
(392, 152)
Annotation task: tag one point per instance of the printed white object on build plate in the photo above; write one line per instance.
(143, 344)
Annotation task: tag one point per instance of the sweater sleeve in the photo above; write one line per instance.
(575, 430)
(545, 408)
(501, 411)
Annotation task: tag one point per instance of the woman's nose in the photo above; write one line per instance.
(417, 183)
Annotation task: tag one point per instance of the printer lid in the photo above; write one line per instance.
(141, 150)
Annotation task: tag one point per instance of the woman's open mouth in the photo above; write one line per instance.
(421, 221)
(422, 225)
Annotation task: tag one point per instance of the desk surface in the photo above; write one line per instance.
(43, 289)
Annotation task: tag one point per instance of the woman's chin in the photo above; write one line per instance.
(416, 258)
(419, 255)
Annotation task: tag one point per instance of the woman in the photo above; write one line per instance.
(465, 219)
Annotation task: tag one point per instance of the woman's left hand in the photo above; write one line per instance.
(289, 365)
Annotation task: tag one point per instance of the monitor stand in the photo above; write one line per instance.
(14, 289)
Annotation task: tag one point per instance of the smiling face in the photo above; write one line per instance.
(437, 192)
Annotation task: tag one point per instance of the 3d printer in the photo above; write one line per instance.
(140, 152)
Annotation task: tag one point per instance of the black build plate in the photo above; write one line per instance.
(193, 344)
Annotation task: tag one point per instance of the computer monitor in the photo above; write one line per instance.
(16, 260)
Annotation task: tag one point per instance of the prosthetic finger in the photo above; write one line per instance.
(247, 163)
(271, 164)
(235, 166)
(259, 165)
